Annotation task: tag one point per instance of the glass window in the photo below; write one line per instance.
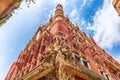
(107, 77)
(77, 58)
(104, 75)
(81, 61)
(85, 63)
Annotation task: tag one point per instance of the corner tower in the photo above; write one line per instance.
(60, 51)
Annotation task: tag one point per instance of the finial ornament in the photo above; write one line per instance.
(59, 6)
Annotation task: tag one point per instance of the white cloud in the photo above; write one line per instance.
(84, 3)
(106, 26)
(74, 16)
(73, 13)
(11, 30)
(119, 59)
(15, 27)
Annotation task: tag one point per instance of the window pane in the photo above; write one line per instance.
(85, 63)
(102, 73)
(77, 58)
(107, 77)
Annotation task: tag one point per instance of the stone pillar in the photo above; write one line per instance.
(62, 74)
(59, 73)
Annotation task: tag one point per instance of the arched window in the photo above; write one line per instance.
(104, 75)
(82, 61)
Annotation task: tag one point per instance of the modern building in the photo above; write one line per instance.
(59, 50)
(6, 9)
(116, 4)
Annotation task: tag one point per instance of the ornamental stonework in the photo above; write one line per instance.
(59, 50)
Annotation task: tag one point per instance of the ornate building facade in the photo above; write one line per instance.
(59, 50)
(116, 4)
(6, 9)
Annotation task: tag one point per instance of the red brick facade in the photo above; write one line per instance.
(60, 51)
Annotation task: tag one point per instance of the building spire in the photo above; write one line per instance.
(59, 6)
(59, 11)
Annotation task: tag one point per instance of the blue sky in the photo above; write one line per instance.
(96, 17)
